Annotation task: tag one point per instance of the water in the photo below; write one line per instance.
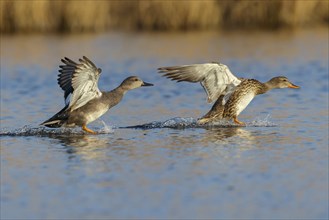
(150, 160)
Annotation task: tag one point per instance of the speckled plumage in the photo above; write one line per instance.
(247, 87)
(233, 94)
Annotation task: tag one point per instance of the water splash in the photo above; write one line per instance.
(175, 123)
(181, 123)
(29, 130)
(265, 122)
(106, 128)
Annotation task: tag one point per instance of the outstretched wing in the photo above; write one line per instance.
(65, 77)
(216, 78)
(80, 80)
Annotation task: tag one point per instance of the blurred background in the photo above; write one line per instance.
(93, 16)
(253, 172)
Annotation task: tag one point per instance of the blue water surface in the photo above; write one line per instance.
(276, 167)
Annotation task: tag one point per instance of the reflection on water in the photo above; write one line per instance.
(91, 147)
(219, 135)
(166, 166)
(88, 147)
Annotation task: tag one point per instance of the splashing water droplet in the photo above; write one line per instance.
(175, 123)
(265, 122)
(179, 123)
(106, 129)
(29, 130)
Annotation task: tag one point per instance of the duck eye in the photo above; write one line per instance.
(136, 79)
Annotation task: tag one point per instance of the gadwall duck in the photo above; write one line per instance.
(232, 94)
(84, 102)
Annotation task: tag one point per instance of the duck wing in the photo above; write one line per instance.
(215, 78)
(80, 80)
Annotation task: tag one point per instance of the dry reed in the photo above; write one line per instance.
(88, 15)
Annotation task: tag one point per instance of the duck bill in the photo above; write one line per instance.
(147, 84)
(293, 86)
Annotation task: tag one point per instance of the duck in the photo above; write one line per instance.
(84, 102)
(230, 94)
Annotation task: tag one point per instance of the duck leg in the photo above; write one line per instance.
(215, 113)
(88, 130)
(236, 121)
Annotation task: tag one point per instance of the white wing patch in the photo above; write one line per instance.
(83, 93)
(68, 99)
(79, 80)
(228, 92)
(83, 99)
(244, 102)
(215, 78)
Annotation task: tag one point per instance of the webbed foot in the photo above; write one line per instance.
(88, 130)
(236, 121)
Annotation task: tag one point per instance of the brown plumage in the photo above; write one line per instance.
(231, 94)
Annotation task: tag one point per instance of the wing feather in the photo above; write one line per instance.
(80, 80)
(215, 78)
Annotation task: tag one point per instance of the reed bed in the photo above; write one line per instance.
(90, 15)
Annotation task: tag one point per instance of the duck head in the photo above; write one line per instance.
(134, 82)
(280, 82)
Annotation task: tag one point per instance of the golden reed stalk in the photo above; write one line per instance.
(99, 15)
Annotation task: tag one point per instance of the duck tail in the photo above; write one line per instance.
(215, 113)
(204, 120)
(58, 120)
(53, 123)
(209, 118)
